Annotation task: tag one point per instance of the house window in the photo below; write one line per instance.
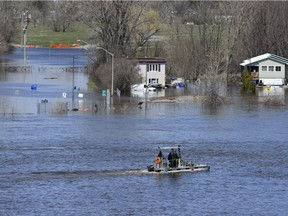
(153, 67)
(153, 81)
(264, 68)
(271, 68)
(278, 68)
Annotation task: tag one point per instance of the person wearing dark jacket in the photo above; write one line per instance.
(173, 157)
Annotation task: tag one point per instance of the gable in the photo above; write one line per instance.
(151, 61)
(255, 61)
(270, 62)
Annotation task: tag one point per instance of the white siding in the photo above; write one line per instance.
(273, 81)
(271, 72)
(152, 73)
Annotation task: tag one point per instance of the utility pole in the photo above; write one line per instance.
(25, 20)
(73, 85)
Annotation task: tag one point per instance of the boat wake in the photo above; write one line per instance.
(91, 173)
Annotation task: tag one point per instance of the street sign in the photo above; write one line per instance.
(104, 93)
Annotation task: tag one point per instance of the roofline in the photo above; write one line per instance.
(255, 59)
(150, 60)
(263, 57)
(171, 147)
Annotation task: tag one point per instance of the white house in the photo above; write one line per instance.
(269, 68)
(152, 70)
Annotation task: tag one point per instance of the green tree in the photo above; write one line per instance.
(248, 85)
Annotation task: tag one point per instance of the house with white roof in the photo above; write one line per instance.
(269, 68)
(152, 70)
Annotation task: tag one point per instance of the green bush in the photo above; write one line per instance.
(248, 85)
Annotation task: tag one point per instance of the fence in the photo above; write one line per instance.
(57, 107)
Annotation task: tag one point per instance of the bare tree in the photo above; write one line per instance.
(9, 17)
(236, 17)
(267, 31)
(183, 55)
(63, 14)
(125, 74)
(200, 52)
(120, 26)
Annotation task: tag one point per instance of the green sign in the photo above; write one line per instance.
(104, 93)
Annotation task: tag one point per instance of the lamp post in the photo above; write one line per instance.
(25, 18)
(112, 67)
(112, 79)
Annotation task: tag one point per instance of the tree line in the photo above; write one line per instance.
(198, 38)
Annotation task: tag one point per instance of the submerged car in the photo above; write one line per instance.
(143, 87)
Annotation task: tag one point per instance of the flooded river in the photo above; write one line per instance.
(88, 163)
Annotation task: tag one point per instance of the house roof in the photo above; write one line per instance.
(150, 60)
(264, 57)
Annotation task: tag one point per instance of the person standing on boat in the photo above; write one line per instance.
(159, 159)
(170, 158)
(173, 158)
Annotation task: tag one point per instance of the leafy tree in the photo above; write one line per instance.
(248, 85)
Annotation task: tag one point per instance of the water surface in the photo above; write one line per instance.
(89, 163)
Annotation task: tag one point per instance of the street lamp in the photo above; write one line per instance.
(112, 55)
(26, 19)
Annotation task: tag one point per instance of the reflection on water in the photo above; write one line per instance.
(271, 91)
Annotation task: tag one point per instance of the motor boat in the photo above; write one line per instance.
(173, 163)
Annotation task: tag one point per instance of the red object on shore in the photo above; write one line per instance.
(64, 45)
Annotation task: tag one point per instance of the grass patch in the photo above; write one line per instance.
(43, 35)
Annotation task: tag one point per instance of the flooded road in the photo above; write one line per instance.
(87, 163)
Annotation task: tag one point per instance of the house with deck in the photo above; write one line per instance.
(152, 70)
(268, 68)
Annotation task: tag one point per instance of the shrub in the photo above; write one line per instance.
(248, 85)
